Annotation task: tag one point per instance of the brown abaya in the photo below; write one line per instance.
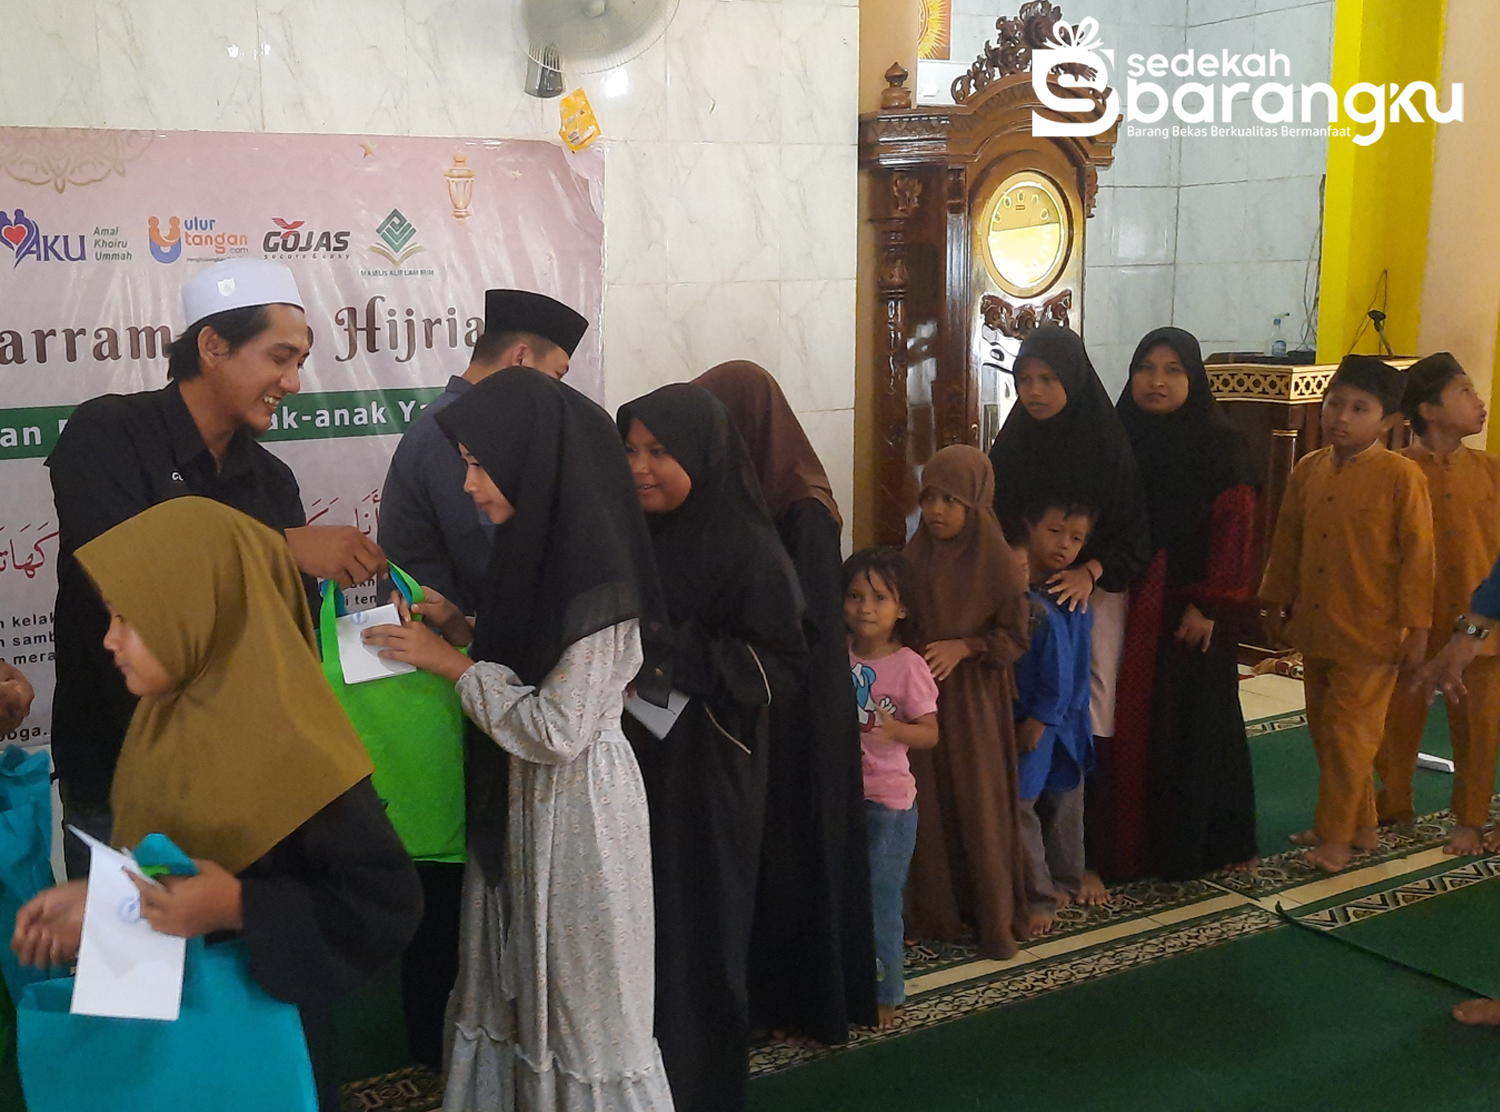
(968, 873)
(812, 949)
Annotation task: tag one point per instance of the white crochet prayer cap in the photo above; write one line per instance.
(236, 284)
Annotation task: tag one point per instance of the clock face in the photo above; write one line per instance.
(1024, 233)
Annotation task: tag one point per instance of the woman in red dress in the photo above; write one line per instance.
(1184, 796)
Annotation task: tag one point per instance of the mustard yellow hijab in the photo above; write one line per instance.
(249, 743)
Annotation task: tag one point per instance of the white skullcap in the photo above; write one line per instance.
(236, 284)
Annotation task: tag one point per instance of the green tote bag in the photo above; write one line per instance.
(413, 727)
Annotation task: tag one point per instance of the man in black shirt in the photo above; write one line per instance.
(428, 524)
(242, 352)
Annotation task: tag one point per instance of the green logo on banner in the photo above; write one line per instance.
(396, 230)
(32, 433)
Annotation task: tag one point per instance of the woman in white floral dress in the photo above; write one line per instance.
(554, 1003)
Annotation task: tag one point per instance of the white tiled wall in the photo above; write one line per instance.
(730, 210)
(1215, 235)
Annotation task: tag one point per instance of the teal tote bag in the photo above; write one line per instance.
(234, 1048)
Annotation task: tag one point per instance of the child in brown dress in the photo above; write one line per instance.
(969, 871)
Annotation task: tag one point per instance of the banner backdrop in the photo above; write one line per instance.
(393, 241)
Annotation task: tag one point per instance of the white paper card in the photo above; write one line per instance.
(659, 720)
(126, 970)
(361, 662)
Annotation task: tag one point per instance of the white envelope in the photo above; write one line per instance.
(659, 720)
(361, 662)
(126, 970)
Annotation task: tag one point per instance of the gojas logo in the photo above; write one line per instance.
(291, 239)
(1085, 61)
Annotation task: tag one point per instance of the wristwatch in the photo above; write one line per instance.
(1469, 629)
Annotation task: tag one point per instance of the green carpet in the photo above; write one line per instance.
(1284, 1020)
(1286, 780)
(1452, 936)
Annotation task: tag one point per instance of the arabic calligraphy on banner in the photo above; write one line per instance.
(393, 240)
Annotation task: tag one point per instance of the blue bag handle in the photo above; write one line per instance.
(158, 855)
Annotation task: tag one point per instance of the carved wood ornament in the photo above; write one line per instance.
(943, 319)
(1018, 322)
(1032, 28)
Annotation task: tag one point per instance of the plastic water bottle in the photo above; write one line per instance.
(1277, 346)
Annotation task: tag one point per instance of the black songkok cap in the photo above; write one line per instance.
(1426, 378)
(524, 311)
(1373, 376)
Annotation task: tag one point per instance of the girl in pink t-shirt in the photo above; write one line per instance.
(897, 700)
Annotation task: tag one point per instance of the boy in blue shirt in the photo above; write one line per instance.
(1054, 734)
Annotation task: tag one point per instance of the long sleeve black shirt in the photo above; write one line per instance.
(121, 454)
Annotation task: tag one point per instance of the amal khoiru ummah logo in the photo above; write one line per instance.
(1075, 58)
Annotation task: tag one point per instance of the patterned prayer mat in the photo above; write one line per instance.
(414, 1089)
(989, 985)
(1288, 869)
(1138, 900)
(1023, 982)
(1464, 873)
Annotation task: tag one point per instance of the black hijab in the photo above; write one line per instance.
(1080, 453)
(704, 547)
(575, 558)
(1187, 458)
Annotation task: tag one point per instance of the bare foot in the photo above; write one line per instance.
(1465, 842)
(1091, 891)
(1492, 840)
(1243, 866)
(1040, 923)
(1064, 899)
(1329, 857)
(891, 1015)
(1479, 1013)
(1366, 838)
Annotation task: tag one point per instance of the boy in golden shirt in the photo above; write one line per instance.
(1350, 580)
(1464, 483)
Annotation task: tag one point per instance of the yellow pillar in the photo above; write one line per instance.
(1461, 286)
(1377, 197)
(887, 33)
